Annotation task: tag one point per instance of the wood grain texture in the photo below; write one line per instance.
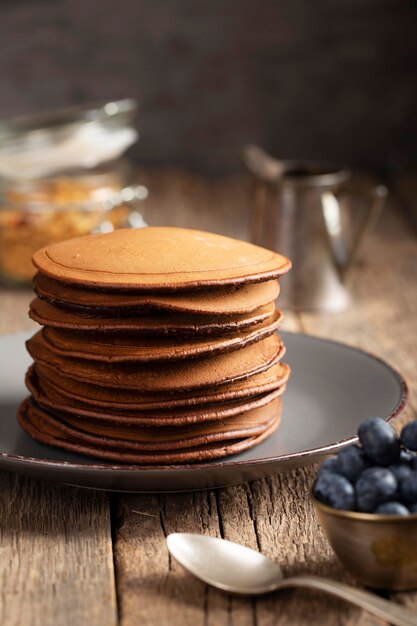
(50, 524)
(273, 515)
(56, 563)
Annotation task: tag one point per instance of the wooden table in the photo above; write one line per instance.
(82, 558)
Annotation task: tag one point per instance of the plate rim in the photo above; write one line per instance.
(23, 461)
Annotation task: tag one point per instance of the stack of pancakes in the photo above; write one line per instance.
(158, 346)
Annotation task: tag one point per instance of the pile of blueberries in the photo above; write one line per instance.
(378, 476)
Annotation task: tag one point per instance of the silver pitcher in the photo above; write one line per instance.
(311, 214)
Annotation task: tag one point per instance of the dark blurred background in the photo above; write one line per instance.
(334, 80)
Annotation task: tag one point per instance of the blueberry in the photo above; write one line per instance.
(392, 508)
(408, 489)
(379, 441)
(352, 461)
(329, 465)
(409, 435)
(413, 508)
(406, 456)
(335, 491)
(375, 486)
(400, 470)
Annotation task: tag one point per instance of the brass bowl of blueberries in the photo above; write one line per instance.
(366, 501)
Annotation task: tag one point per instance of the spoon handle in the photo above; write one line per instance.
(385, 609)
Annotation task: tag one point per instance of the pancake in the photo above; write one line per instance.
(159, 346)
(145, 438)
(155, 325)
(53, 401)
(116, 348)
(162, 437)
(84, 394)
(164, 376)
(158, 258)
(42, 427)
(221, 301)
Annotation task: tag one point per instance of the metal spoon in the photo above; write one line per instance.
(236, 569)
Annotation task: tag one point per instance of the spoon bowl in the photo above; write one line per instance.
(224, 564)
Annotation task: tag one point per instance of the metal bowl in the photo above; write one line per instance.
(380, 551)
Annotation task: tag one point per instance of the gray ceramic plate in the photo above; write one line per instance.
(332, 389)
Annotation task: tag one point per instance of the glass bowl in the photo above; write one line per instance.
(37, 213)
(63, 175)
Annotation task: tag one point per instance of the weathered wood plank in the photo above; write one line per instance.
(153, 589)
(56, 561)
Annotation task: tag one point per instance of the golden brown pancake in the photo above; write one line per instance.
(90, 396)
(158, 324)
(215, 301)
(52, 401)
(42, 426)
(164, 376)
(125, 347)
(158, 258)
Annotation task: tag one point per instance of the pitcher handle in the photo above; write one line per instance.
(345, 254)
